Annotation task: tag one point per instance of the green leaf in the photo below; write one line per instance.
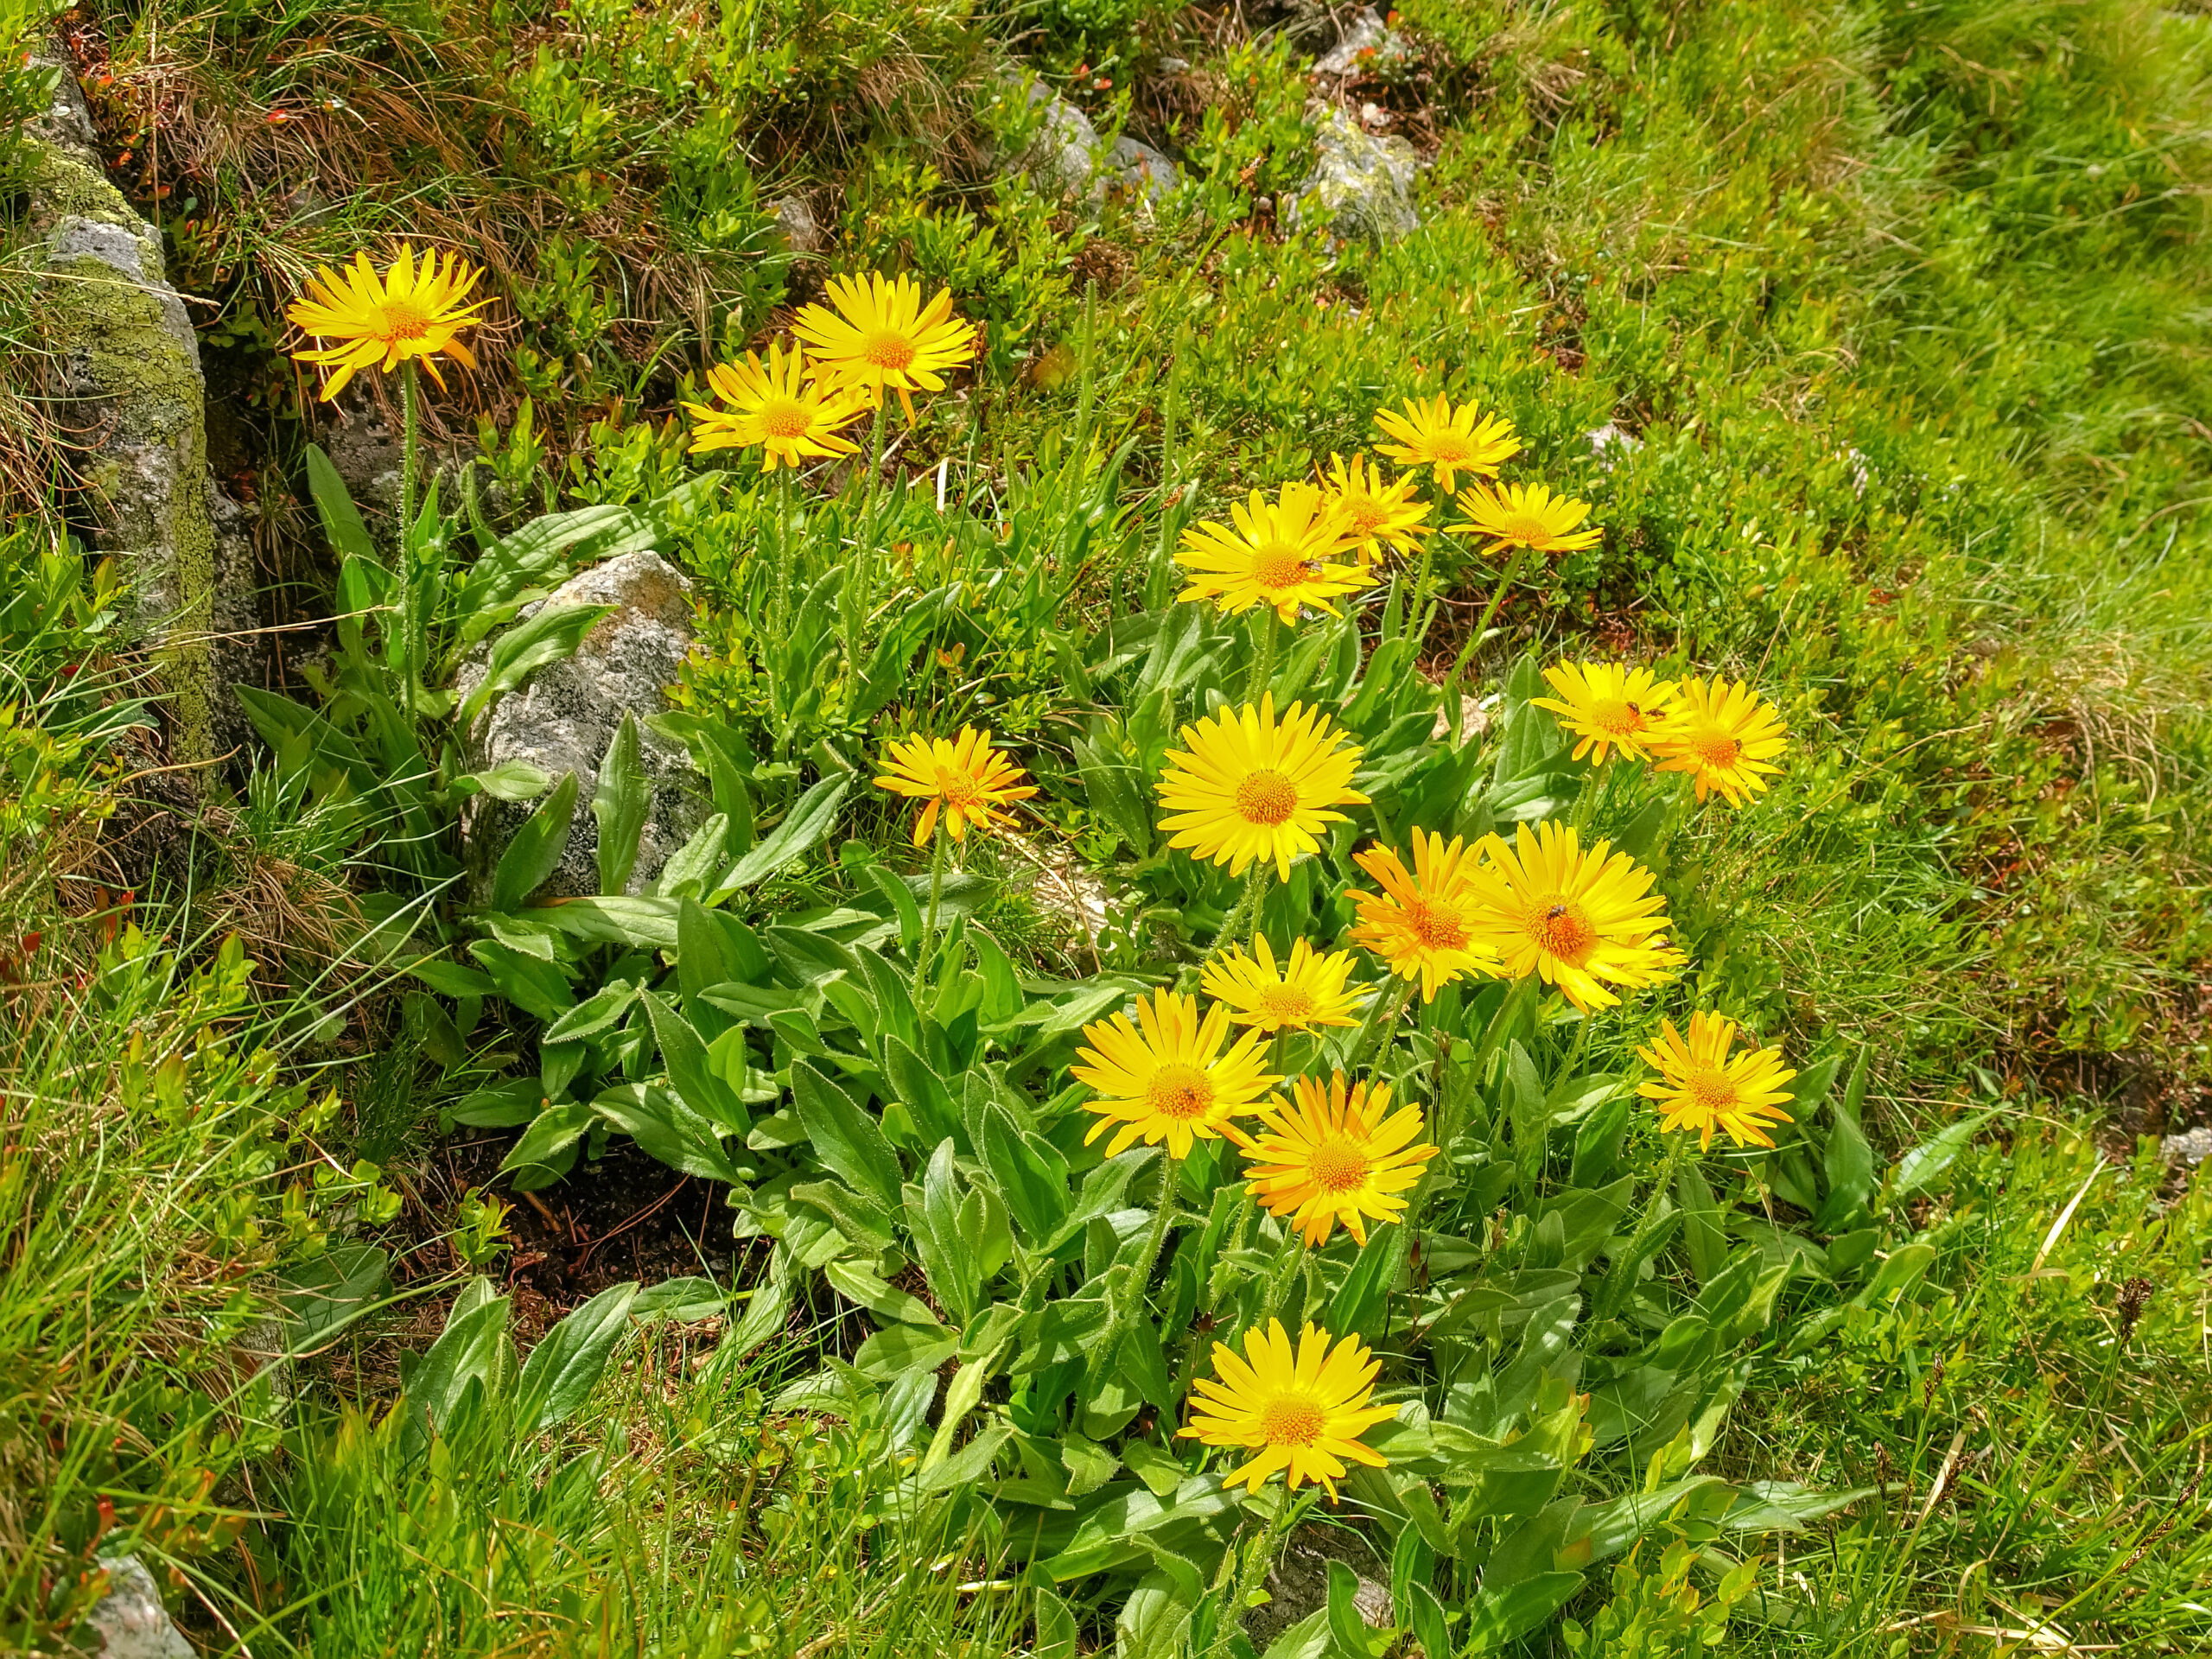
(619, 804)
(327, 1292)
(565, 1366)
(1348, 1631)
(1498, 1616)
(691, 867)
(846, 1138)
(1056, 1627)
(902, 904)
(341, 520)
(1919, 1168)
(713, 949)
(663, 1125)
(1702, 1236)
(1030, 1172)
(857, 1284)
(687, 1300)
(803, 828)
(549, 636)
(688, 1072)
(552, 1133)
(596, 1013)
(535, 986)
(535, 852)
(451, 979)
(933, 1218)
(639, 924)
(1906, 1267)
(467, 1350)
(509, 780)
(1426, 1616)
(1366, 1288)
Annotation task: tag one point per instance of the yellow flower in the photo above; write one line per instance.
(881, 338)
(1608, 705)
(1526, 515)
(1703, 1089)
(1334, 1157)
(1375, 514)
(1280, 554)
(409, 312)
(1244, 787)
(1299, 1412)
(1724, 736)
(1165, 1079)
(1305, 991)
(1423, 922)
(1573, 918)
(1432, 434)
(968, 778)
(780, 405)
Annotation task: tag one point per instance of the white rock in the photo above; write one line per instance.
(562, 718)
(130, 1619)
(1362, 184)
(2190, 1147)
(1366, 33)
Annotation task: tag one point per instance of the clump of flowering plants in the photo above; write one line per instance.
(1372, 1164)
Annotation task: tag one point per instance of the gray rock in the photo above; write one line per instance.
(562, 718)
(125, 375)
(129, 1620)
(365, 451)
(2190, 1147)
(1361, 186)
(1067, 157)
(1367, 46)
(1299, 1583)
(1611, 437)
(795, 222)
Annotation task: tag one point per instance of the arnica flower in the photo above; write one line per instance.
(1376, 515)
(1724, 736)
(1305, 990)
(1578, 920)
(1423, 922)
(1448, 441)
(1702, 1090)
(1166, 1078)
(1608, 706)
(1245, 787)
(1299, 1412)
(411, 311)
(779, 405)
(1526, 515)
(1280, 553)
(966, 778)
(881, 338)
(1334, 1156)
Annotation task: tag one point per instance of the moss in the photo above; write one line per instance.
(127, 352)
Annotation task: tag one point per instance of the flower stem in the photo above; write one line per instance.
(1620, 1284)
(928, 946)
(1378, 1024)
(1120, 1315)
(1254, 1572)
(864, 558)
(1263, 665)
(409, 451)
(1245, 915)
(1475, 640)
(1288, 1259)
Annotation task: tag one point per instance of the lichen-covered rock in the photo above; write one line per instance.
(796, 223)
(1367, 46)
(1362, 186)
(562, 718)
(129, 1620)
(126, 377)
(1067, 157)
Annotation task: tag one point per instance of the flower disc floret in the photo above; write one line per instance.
(1423, 922)
(964, 778)
(1305, 989)
(1431, 432)
(1723, 735)
(1282, 553)
(880, 337)
(1608, 706)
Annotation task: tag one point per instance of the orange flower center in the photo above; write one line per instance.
(959, 790)
(1266, 798)
(1338, 1164)
(1179, 1091)
(888, 349)
(403, 320)
(1291, 1420)
(1290, 1003)
(1524, 528)
(1563, 931)
(1438, 927)
(1449, 447)
(1365, 514)
(1617, 716)
(1716, 749)
(1276, 565)
(1711, 1089)
(784, 418)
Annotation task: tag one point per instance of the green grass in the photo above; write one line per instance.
(1903, 311)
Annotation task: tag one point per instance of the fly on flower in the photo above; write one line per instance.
(1608, 706)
